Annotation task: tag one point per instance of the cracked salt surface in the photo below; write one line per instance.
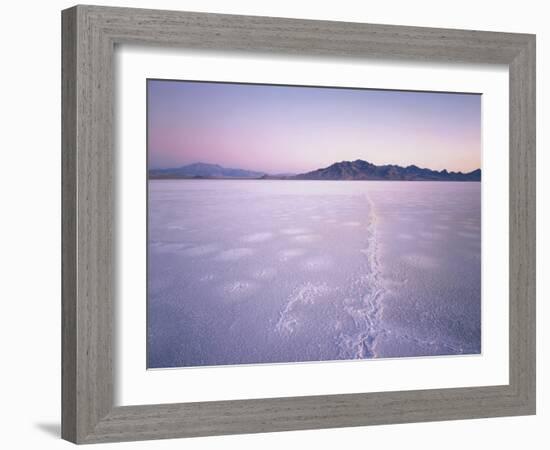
(245, 271)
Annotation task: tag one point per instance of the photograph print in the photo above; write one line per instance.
(294, 224)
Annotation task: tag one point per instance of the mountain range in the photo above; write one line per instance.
(344, 170)
(363, 170)
(203, 170)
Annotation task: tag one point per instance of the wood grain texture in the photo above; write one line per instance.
(89, 36)
(68, 226)
(523, 224)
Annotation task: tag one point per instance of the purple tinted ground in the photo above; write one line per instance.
(247, 272)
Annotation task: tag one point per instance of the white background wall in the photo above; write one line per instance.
(30, 226)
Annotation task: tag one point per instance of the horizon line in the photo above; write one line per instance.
(312, 170)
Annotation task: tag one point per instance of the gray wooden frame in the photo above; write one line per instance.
(89, 36)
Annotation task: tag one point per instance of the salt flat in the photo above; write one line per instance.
(264, 271)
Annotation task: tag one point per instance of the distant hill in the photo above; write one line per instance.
(202, 170)
(363, 170)
(344, 170)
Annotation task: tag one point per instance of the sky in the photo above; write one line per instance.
(292, 129)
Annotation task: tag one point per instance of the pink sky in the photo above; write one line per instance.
(289, 129)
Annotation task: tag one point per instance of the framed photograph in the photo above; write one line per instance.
(277, 224)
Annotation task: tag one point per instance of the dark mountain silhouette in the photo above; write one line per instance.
(203, 170)
(363, 170)
(344, 170)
